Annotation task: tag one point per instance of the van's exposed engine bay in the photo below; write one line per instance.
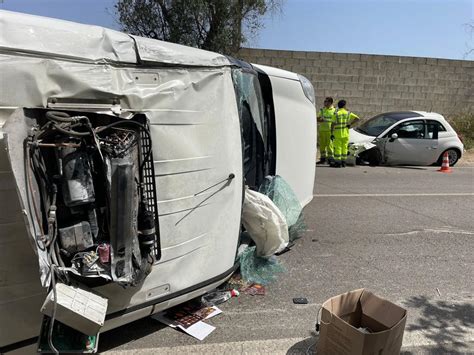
(95, 201)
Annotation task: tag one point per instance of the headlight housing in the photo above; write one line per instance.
(308, 88)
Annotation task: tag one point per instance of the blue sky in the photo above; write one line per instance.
(425, 28)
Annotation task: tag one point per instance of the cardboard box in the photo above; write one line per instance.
(358, 322)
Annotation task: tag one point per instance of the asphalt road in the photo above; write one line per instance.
(407, 234)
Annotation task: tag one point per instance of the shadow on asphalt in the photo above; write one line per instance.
(443, 323)
(307, 346)
(409, 167)
(136, 330)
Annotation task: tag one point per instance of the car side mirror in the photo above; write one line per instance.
(394, 136)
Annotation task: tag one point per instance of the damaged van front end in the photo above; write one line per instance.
(123, 163)
(121, 170)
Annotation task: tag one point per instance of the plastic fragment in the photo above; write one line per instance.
(259, 270)
(218, 297)
(282, 195)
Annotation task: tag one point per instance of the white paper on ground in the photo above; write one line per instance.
(198, 330)
(215, 313)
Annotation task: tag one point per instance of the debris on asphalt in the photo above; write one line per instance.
(255, 269)
(254, 290)
(217, 297)
(300, 300)
(236, 282)
(283, 196)
(189, 318)
(273, 220)
(439, 293)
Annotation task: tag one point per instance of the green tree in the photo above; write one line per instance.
(216, 25)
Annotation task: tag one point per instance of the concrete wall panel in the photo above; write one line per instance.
(371, 83)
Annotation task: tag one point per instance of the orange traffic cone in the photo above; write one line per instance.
(445, 166)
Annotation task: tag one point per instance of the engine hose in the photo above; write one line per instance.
(71, 132)
(58, 116)
(119, 123)
(58, 255)
(54, 258)
(52, 218)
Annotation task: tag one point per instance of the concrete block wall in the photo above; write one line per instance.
(372, 84)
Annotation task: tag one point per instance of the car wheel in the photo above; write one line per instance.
(453, 156)
(374, 157)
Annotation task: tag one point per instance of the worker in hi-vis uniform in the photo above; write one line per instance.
(325, 117)
(342, 122)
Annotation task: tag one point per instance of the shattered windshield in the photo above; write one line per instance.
(250, 95)
(378, 124)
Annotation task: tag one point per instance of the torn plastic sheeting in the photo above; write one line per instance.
(282, 195)
(265, 223)
(258, 270)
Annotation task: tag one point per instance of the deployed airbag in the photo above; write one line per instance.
(265, 223)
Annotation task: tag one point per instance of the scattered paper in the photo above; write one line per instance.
(189, 318)
(198, 330)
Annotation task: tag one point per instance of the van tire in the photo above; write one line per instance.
(453, 154)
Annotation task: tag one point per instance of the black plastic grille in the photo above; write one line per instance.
(150, 183)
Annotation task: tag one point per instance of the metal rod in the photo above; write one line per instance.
(55, 145)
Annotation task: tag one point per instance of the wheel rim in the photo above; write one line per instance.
(452, 156)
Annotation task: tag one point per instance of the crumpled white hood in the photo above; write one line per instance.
(356, 137)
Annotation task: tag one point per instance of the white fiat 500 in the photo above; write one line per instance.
(408, 137)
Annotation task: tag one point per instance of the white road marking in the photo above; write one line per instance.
(434, 231)
(388, 195)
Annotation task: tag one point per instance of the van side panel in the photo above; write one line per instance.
(295, 120)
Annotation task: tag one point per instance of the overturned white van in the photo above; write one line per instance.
(134, 153)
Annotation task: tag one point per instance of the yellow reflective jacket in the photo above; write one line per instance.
(341, 119)
(327, 114)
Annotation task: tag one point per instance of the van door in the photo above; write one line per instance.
(295, 130)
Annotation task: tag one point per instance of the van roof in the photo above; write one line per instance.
(45, 36)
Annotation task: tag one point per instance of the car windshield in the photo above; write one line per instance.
(377, 124)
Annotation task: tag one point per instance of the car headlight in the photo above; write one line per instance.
(308, 88)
